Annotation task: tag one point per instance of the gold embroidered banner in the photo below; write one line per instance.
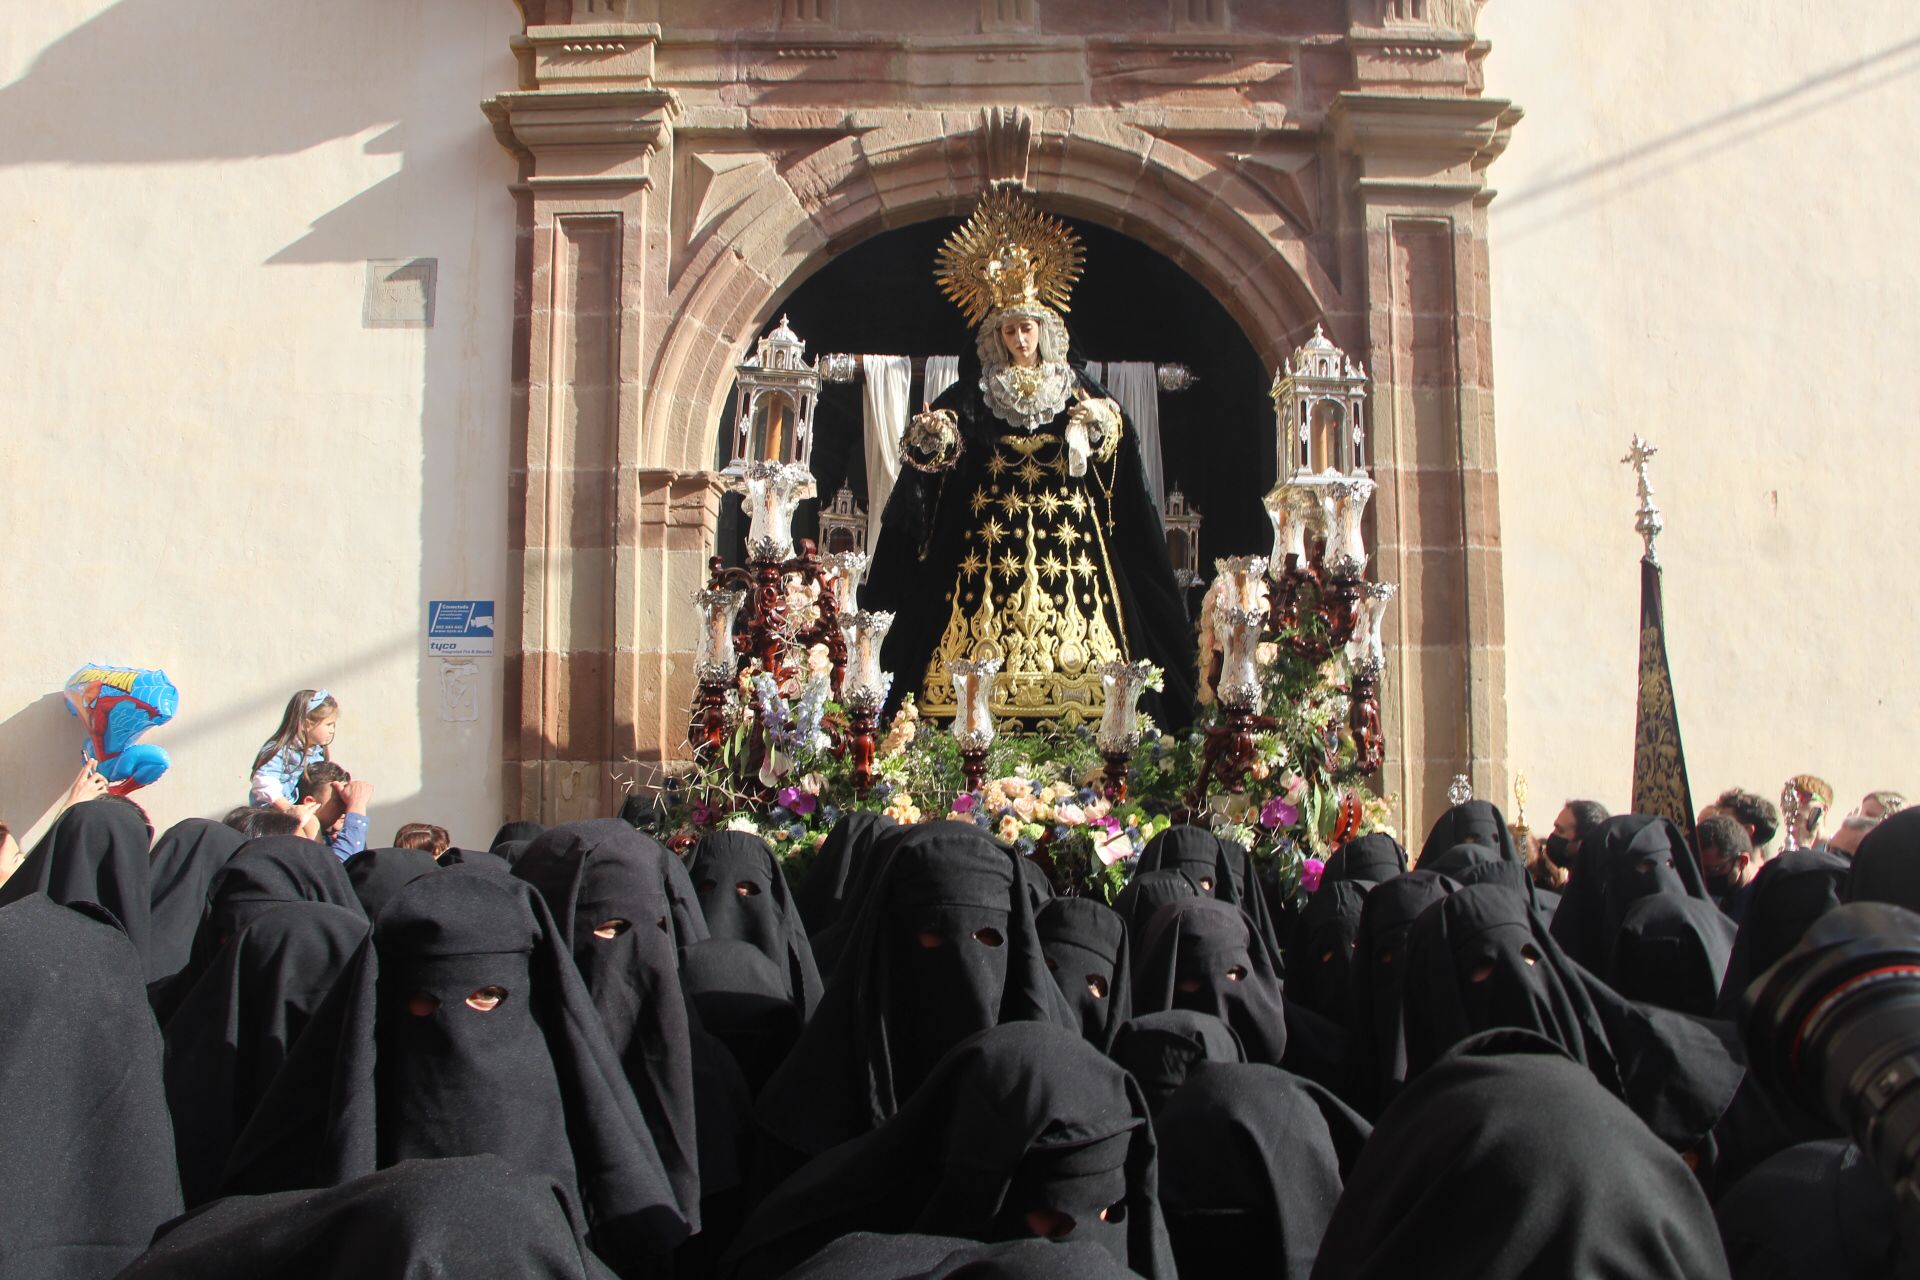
(1659, 764)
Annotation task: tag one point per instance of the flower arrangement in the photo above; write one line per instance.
(782, 771)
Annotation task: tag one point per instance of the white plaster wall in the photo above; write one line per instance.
(1706, 232)
(209, 465)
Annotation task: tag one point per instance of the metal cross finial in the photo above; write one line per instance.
(1646, 522)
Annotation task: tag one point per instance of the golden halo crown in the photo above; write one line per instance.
(1008, 253)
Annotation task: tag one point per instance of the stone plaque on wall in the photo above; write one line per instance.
(399, 293)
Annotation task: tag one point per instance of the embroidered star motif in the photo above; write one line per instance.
(1030, 472)
(1082, 565)
(980, 501)
(1049, 503)
(1079, 503)
(971, 565)
(1011, 503)
(1069, 535)
(1052, 566)
(1009, 567)
(993, 531)
(997, 465)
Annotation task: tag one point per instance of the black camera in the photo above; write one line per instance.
(1835, 1025)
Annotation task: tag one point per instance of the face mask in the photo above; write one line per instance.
(1560, 851)
(1718, 885)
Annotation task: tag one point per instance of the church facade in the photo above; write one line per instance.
(322, 315)
(684, 166)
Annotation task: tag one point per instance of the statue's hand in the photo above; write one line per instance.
(931, 441)
(1102, 422)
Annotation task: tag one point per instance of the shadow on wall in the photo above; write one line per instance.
(39, 753)
(292, 77)
(1564, 195)
(108, 92)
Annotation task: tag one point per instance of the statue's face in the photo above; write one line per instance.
(1021, 337)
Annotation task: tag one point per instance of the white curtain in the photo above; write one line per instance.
(942, 372)
(1097, 371)
(883, 401)
(1136, 386)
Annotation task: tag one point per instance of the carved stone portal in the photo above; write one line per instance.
(675, 177)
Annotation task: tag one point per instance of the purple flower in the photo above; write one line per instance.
(1278, 813)
(797, 802)
(702, 814)
(964, 802)
(1310, 872)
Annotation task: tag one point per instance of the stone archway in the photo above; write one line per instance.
(675, 183)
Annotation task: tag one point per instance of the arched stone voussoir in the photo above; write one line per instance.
(918, 167)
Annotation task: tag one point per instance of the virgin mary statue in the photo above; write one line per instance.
(1023, 530)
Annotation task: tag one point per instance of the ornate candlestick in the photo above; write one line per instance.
(1119, 731)
(1789, 794)
(716, 663)
(973, 715)
(864, 690)
(1230, 748)
(842, 570)
(1343, 504)
(1245, 579)
(772, 491)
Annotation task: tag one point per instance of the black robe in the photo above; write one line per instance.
(926, 537)
(1504, 1160)
(86, 1154)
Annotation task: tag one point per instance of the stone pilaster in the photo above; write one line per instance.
(1415, 179)
(586, 124)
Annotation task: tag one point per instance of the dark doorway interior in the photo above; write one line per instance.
(1132, 303)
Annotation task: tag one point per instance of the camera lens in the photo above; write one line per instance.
(1836, 1026)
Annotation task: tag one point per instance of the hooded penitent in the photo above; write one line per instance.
(1160, 1050)
(1623, 859)
(1886, 866)
(1033, 537)
(421, 1219)
(1474, 822)
(1479, 960)
(1220, 869)
(1370, 859)
(741, 998)
(944, 946)
(1085, 944)
(86, 1155)
(1252, 1160)
(1672, 951)
(1816, 1211)
(1148, 891)
(612, 892)
(1790, 893)
(743, 895)
(378, 874)
(462, 1029)
(1379, 978)
(185, 859)
(262, 875)
(1505, 1160)
(232, 1032)
(1320, 957)
(1204, 955)
(95, 852)
(821, 896)
(1022, 1130)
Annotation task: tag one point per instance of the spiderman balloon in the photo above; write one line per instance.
(117, 705)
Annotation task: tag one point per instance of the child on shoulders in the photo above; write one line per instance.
(303, 739)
